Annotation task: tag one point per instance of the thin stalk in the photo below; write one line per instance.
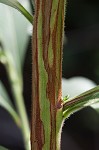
(25, 13)
(46, 76)
(17, 90)
(19, 101)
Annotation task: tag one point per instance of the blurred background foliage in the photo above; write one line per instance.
(81, 51)
(80, 58)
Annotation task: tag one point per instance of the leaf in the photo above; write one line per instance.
(3, 148)
(6, 103)
(15, 4)
(95, 106)
(22, 27)
(8, 38)
(85, 99)
(14, 38)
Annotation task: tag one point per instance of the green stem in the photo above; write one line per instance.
(17, 90)
(19, 101)
(46, 76)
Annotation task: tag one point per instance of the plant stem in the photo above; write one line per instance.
(46, 76)
(19, 101)
(17, 90)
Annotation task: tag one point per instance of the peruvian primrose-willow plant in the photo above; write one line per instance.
(49, 108)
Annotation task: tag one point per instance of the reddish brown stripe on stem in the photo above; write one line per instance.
(37, 126)
(53, 70)
(46, 13)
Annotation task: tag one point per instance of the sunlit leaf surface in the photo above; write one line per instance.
(85, 99)
(15, 4)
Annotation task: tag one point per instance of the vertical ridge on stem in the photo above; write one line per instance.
(46, 74)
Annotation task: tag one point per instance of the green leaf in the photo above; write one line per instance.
(22, 27)
(85, 99)
(15, 4)
(14, 52)
(8, 38)
(66, 98)
(6, 103)
(3, 148)
(14, 38)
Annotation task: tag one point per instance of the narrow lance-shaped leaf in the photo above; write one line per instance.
(81, 101)
(15, 4)
(13, 62)
(3, 148)
(16, 29)
(6, 103)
